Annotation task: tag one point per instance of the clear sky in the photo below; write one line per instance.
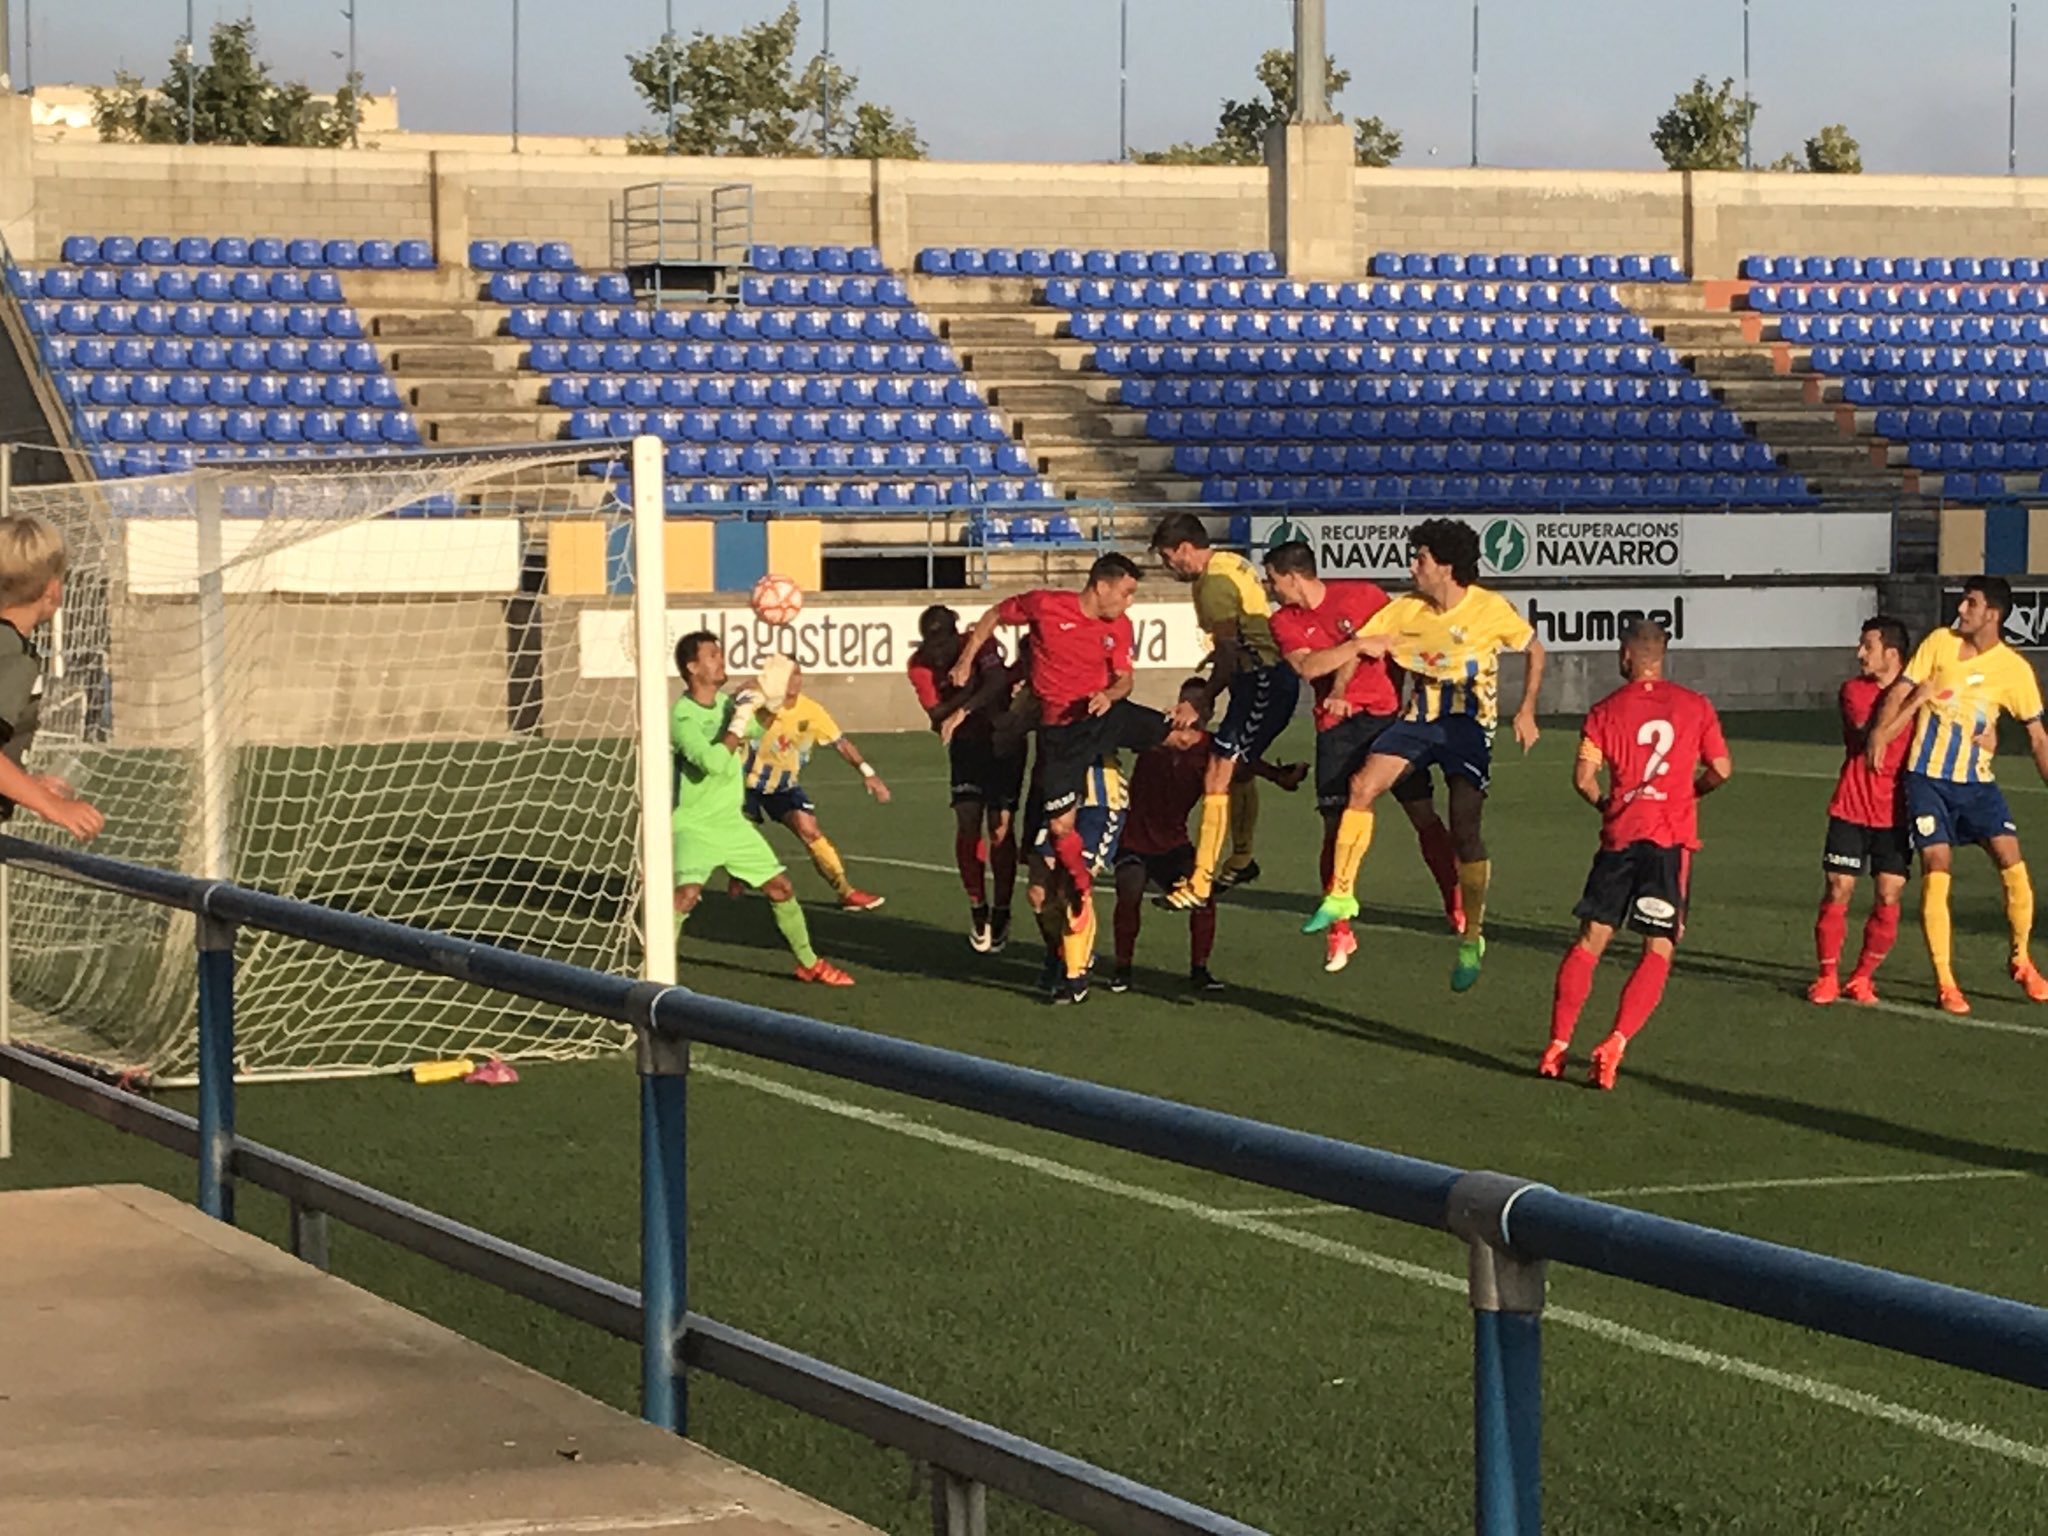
(1573, 83)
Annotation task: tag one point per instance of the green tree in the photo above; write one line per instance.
(742, 94)
(1241, 126)
(1834, 152)
(1705, 128)
(234, 101)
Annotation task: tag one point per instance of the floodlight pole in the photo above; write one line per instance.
(515, 76)
(355, 116)
(1748, 110)
(1475, 84)
(825, 80)
(6, 51)
(668, 50)
(1311, 77)
(191, 72)
(1123, 80)
(2012, 91)
(28, 47)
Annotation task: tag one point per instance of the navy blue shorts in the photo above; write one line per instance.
(1101, 831)
(763, 806)
(1261, 704)
(1940, 811)
(1458, 744)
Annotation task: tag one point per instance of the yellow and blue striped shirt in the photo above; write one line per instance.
(778, 757)
(1966, 694)
(1229, 592)
(1452, 656)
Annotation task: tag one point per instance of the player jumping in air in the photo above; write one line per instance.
(1231, 607)
(709, 733)
(1954, 688)
(793, 723)
(1866, 824)
(986, 744)
(1356, 702)
(1447, 635)
(1661, 747)
(1079, 663)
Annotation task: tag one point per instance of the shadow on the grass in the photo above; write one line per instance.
(879, 941)
(1847, 1124)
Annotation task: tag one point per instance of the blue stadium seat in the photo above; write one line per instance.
(345, 255)
(416, 255)
(378, 255)
(556, 256)
(520, 256)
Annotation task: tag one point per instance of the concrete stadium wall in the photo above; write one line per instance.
(1496, 211)
(49, 190)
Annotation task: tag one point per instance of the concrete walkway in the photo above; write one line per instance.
(161, 1372)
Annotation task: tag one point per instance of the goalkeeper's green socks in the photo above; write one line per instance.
(796, 933)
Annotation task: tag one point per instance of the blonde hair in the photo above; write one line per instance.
(31, 557)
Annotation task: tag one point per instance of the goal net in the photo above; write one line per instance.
(381, 705)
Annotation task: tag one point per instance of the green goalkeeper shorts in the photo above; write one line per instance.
(737, 847)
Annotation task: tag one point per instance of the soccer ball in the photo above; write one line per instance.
(777, 600)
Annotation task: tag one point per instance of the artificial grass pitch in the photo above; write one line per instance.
(1306, 1371)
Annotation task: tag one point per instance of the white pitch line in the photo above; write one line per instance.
(1864, 1404)
(1824, 1181)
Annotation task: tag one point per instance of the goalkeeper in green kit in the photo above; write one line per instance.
(709, 732)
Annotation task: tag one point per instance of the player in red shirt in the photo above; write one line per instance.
(1356, 699)
(1079, 664)
(1662, 748)
(985, 747)
(1166, 786)
(1866, 822)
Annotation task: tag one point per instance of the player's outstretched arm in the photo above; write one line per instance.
(50, 798)
(1311, 665)
(846, 749)
(1526, 732)
(984, 631)
(1892, 714)
(2037, 743)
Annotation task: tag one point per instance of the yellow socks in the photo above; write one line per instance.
(1209, 838)
(829, 864)
(1934, 922)
(1472, 882)
(1354, 836)
(1077, 948)
(1244, 821)
(2019, 909)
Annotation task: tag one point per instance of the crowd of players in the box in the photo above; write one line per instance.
(1404, 689)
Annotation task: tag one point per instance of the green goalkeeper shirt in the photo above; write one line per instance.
(709, 777)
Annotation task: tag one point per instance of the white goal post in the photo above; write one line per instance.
(355, 682)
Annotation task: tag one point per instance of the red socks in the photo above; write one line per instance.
(1442, 860)
(1829, 929)
(1073, 858)
(1128, 916)
(1880, 932)
(1574, 982)
(1639, 998)
(1201, 934)
(967, 854)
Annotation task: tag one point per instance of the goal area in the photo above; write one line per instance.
(360, 683)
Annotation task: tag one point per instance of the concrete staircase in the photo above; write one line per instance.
(1071, 422)
(446, 350)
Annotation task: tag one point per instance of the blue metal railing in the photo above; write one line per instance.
(1512, 1227)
